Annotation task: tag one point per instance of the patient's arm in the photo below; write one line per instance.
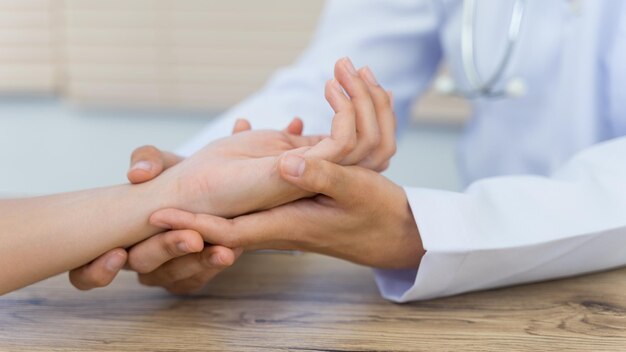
(44, 236)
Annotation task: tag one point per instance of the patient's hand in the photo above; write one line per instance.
(239, 174)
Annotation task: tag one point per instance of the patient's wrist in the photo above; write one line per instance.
(175, 188)
(164, 191)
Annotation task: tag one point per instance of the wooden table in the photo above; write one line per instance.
(270, 302)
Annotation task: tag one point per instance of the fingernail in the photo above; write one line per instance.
(369, 76)
(142, 165)
(293, 165)
(349, 66)
(115, 263)
(182, 246)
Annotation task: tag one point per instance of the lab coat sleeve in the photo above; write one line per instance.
(517, 229)
(398, 39)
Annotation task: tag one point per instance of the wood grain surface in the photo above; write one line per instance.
(277, 302)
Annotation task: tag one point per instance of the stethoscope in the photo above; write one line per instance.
(478, 87)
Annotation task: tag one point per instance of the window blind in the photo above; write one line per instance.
(199, 54)
(29, 45)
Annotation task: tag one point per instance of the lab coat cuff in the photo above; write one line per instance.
(442, 221)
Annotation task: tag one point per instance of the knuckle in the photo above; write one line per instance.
(372, 141)
(170, 249)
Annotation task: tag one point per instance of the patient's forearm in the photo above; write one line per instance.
(44, 236)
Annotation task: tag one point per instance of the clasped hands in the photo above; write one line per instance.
(274, 190)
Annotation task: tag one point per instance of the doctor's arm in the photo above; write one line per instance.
(428, 243)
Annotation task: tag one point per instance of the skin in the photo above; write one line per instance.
(45, 236)
(71, 229)
(160, 263)
(358, 215)
(230, 176)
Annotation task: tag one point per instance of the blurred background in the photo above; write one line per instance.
(84, 82)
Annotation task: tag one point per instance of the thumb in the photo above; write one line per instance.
(316, 175)
(148, 162)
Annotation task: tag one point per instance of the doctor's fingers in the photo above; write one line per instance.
(159, 249)
(343, 136)
(100, 272)
(212, 259)
(361, 89)
(349, 144)
(378, 157)
(248, 231)
(280, 227)
(148, 162)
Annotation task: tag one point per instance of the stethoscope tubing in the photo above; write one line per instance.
(479, 87)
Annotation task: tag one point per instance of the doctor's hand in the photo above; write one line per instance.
(358, 215)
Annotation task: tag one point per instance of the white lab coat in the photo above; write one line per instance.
(551, 197)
